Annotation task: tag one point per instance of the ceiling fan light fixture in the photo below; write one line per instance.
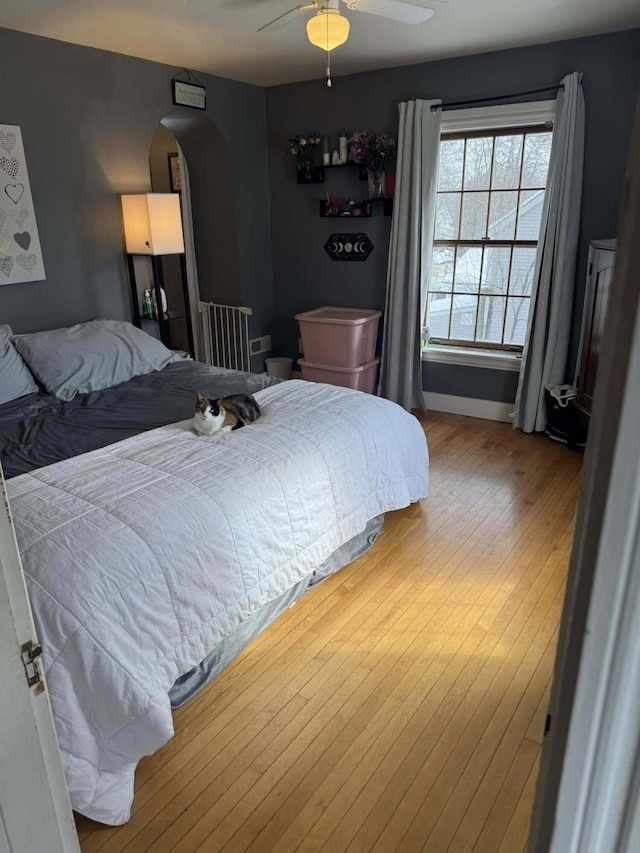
(328, 29)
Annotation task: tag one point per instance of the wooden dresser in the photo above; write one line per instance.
(602, 255)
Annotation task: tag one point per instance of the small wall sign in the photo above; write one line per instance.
(348, 247)
(189, 95)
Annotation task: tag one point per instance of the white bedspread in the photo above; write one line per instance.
(140, 557)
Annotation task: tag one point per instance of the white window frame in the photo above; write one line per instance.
(468, 121)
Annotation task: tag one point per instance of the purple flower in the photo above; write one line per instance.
(371, 151)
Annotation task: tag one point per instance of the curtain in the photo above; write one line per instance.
(190, 259)
(410, 252)
(547, 343)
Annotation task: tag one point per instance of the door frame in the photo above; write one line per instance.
(588, 788)
(35, 811)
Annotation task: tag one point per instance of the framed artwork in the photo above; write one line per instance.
(348, 247)
(20, 253)
(175, 180)
(189, 94)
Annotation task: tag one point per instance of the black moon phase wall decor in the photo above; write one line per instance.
(348, 247)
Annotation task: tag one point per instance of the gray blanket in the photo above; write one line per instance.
(39, 429)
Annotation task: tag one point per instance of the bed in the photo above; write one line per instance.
(152, 555)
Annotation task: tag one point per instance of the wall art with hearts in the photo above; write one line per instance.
(20, 253)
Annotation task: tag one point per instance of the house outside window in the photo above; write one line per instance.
(491, 188)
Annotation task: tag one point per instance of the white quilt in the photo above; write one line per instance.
(140, 557)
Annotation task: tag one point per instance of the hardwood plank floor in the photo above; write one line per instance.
(401, 704)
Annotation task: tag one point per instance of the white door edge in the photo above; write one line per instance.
(588, 794)
(35, 810)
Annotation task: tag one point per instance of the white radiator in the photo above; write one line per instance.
(225, 333)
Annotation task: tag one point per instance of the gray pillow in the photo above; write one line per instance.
(91, 356)
(15, 379)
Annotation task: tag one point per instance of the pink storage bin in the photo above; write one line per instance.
(362, 378)
(342, 337)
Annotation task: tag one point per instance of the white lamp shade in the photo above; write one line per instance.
(328, 29)
(153, 224)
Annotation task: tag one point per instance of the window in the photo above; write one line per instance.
(490, 195)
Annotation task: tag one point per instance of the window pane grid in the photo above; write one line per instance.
(510, 290)
(453, 273)
(493, 153)
(478, 282)
(464, 166)
(520, 185)
(475, 331)
(506, 304)
(502, 189)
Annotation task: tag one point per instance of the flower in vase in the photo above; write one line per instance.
(302, 148)
(374, 152)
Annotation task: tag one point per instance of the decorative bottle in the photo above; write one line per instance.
(342, 144)
(326, 157)
(147, 305)
(163, 297)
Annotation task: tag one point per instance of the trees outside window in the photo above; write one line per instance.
(490, 196)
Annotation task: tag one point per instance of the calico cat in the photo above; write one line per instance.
(225, 414)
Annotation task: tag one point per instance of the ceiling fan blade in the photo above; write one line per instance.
(303, 6)
(396, 10)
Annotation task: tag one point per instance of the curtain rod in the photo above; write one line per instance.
(497, 97)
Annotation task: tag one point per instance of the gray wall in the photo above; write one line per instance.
(88, 119)
(304, 277)
(478, 382)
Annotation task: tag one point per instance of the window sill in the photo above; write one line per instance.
(470, 357)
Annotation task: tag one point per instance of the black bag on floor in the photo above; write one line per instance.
(565, 421)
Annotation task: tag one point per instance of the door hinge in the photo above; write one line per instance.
(30, 652)
(547, 725)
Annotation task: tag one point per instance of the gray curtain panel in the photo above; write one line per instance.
(410, 252)
(545, 352)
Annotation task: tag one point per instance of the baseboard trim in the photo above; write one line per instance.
(489, 410)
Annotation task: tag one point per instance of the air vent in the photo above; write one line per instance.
(258, 345)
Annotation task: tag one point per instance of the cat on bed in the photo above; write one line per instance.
(225, 414)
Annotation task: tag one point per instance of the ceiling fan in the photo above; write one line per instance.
(328, 28)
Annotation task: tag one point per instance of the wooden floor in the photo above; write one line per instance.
(400, 705)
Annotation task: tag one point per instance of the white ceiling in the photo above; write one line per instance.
(219, 36)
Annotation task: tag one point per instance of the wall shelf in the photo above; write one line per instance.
(167, 316)
(317, 176)
(317, 173)
(366, 206)
(163, 322)
(362, 172)
(345, 216)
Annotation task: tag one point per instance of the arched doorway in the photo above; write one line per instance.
(209, 209)
(213, 205)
